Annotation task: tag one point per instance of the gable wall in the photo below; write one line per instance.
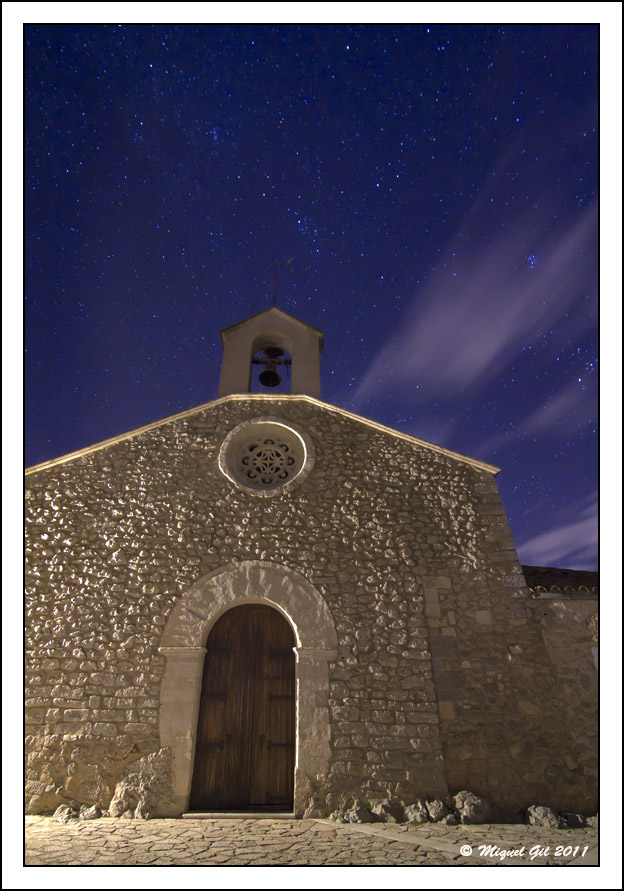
(409, 548)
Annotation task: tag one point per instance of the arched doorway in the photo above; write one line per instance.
(183, 646)
(245, 744)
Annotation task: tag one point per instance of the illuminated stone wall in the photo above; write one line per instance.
(441, 680)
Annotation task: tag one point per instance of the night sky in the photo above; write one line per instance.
(435, 186)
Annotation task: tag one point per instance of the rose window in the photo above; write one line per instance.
(266, 455)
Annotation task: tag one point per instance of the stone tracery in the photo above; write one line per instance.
(268, 461)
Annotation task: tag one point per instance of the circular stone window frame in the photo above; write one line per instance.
(242, 435)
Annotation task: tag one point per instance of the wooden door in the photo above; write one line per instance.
(245, 750)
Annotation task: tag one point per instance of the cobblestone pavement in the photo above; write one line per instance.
(270, 842)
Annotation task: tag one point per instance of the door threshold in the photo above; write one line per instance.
(239, 815)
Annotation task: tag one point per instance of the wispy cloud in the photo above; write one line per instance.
(439, 432)
(572, 545)
(571, 407)
(476, 312)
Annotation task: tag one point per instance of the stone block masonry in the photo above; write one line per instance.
(439, 670)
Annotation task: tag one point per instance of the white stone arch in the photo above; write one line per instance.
(184, 645)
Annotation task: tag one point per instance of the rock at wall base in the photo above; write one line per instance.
(537, 815)
(471, 808)
(437, 810)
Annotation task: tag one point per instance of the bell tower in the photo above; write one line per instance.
(285, 348)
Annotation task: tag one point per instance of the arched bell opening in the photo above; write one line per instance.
(271, 366)
(271, 371)
(246, 728)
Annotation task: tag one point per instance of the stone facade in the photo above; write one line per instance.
(421, 663)
(570, 631)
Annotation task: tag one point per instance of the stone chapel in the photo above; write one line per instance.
(268, 603)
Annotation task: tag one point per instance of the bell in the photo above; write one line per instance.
(269, 377)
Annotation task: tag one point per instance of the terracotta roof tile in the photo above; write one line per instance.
(576, 583)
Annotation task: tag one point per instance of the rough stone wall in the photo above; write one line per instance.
(504, 713)
(409, 547)
(570, 631)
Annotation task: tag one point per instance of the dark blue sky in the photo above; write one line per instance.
(435, 186)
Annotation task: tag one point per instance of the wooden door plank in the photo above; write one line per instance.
(274, 718)
(233, 780)
(221, 771)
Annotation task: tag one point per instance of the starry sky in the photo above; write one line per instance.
(434, 188)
